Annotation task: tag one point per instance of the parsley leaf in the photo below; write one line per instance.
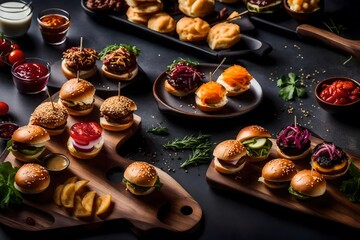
(291, 86)
(351, 186)
(9, 194)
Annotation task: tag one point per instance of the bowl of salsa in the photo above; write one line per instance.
(338, 94)
(31, 75)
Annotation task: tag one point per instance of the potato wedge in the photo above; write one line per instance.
(88, 201)
(71, 180)
(80, 211)
(103, 204)
(57, 195)
(80, 184)
(68, 195)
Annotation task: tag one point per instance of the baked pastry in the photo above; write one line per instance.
(223, 36)
(138, 18)
(146, 7)
(162, 22)
(192, 29)
(196, 8)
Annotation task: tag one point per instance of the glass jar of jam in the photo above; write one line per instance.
(31, 76)
(54, 24)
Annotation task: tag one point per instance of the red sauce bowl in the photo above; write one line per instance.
(31, 76)
(336, 107)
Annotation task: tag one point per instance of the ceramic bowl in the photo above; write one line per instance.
(303, 16)
(55, 162)
(332, 107)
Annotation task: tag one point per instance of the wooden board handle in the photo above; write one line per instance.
(331, 39)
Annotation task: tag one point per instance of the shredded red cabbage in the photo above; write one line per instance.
(294, 136)
(184, 77)
(328, 150)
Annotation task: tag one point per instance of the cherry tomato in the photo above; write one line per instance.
(16, 55)
(15, 46)
(84, 132)
(4, 108)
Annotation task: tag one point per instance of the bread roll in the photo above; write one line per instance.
(196, 8)
(223, 36)
(192, 29)
(162, 22)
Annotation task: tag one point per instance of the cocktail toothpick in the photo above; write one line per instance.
(52, 103)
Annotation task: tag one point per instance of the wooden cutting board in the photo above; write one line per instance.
(171, 208)
(333, 205)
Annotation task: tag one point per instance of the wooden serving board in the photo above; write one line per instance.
(171, 208)
(333, 205)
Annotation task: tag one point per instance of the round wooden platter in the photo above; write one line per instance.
(333, 205)
(170, 208)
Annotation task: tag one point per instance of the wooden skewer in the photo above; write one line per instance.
(119, 90)
(210, 74)
(52, 103)
(81, 47)
(221, 63)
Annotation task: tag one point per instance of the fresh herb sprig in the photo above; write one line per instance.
(200, 145)
(198, 156)
(159, 130)
(351, 187)
(187, 142)
(113, 47)
(187, 61)
(291, 86)
(9, 194)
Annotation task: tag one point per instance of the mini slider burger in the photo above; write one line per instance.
(229, 156)
(277, 173)
(119, 61)
(307, 184)
(211, 97)
(236, 79)
(293, 142)
(50, 115)
(256, 141)
(82, 60)
(116, 113)
(31, 178)
(141, 178)
(182, 77)
(85, 141)
(264, 6)
(77, 95)
(329, 160)
(28, 142)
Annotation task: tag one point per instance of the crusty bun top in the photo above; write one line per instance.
(77, 90)
(117, 106)
(229, 150)
(141, 173)
(49, 115)
(309, 183)
(31, 134)
(279, 170)
(32, 178)
(252, 131)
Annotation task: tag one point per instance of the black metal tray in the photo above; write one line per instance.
(247, 45)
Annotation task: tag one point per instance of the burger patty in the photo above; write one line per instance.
(292, 150)
(120, 120)
(21, 146)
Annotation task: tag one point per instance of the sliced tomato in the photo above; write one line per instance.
(85, 132)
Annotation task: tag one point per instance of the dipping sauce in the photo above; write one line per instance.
(31, 76)
(15, 18)
(54, 24)
(7, 130)
(340, 92)
(56, 162)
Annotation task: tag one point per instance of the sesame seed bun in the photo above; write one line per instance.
(229, 156)
(31, 134)
(50, 115)
(277, 173)
(309, 183)
(252, 131)
(31, 178)
(114, 112)
(141, 174)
